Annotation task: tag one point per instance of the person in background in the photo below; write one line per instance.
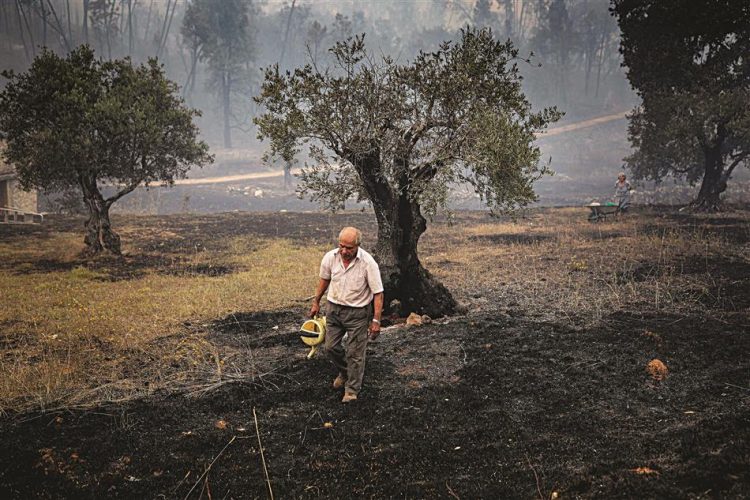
(622, 192)
(355, 304)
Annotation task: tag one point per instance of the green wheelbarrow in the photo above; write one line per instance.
(600, 211)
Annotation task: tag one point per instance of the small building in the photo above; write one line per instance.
(14, 201)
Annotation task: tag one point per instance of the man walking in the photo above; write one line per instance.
(355, 303)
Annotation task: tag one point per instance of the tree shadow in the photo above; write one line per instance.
(735, 229)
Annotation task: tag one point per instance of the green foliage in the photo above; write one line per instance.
(79, 121)
(688, 61)
(681, 45)
(378, 130)
(222, 33)
(672, 133)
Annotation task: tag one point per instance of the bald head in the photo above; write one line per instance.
(349, 240)
(351, 235)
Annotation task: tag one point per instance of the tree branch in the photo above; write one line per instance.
(736, 160)
(128, 189)
(59, 27)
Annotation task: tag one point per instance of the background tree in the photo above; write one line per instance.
(483, 16)
(81, 122)
(401, 135)
(598, 37)
(220, 32)
(688, 60)
(316, 33)
(555, 40)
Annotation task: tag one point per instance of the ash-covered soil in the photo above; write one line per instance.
(488, 406)
(494, 404)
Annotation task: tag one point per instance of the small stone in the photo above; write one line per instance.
(414, 319)
(395, 307)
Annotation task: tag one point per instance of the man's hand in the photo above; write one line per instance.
(373, 330)
(322, 287)
(314, 309)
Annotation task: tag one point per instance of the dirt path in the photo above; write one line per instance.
(583, 124)
(270, 175)
(233, 178)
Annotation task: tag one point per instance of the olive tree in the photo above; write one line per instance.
(402, 135)
(81, 122)
(688, 61)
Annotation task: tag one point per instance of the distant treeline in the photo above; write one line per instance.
(215, 49)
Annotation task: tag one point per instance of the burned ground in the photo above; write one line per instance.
(511, 400)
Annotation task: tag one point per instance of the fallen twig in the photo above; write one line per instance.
(183, 480)
(209, 466)
(536, 477)
(304, 436)
(737, 386)
(451, 492)
(262, 456)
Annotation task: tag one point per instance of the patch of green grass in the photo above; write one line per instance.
(77, 329)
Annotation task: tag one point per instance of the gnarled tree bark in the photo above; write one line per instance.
(716, 174)
(400, 225)
(713, 183)
(99, 233)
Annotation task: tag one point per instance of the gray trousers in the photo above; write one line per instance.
(349, 359)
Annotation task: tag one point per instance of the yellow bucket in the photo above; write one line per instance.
(313, 333)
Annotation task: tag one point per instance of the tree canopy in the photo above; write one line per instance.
(402, 135)
(81, 122)
(688, 60)
(221, 33)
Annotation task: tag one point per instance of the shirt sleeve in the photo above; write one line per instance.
(325, 267)
(374, 281)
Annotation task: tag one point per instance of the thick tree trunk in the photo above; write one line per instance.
(404, 277)
(714, 183)
(99, 233)
(400, 225)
